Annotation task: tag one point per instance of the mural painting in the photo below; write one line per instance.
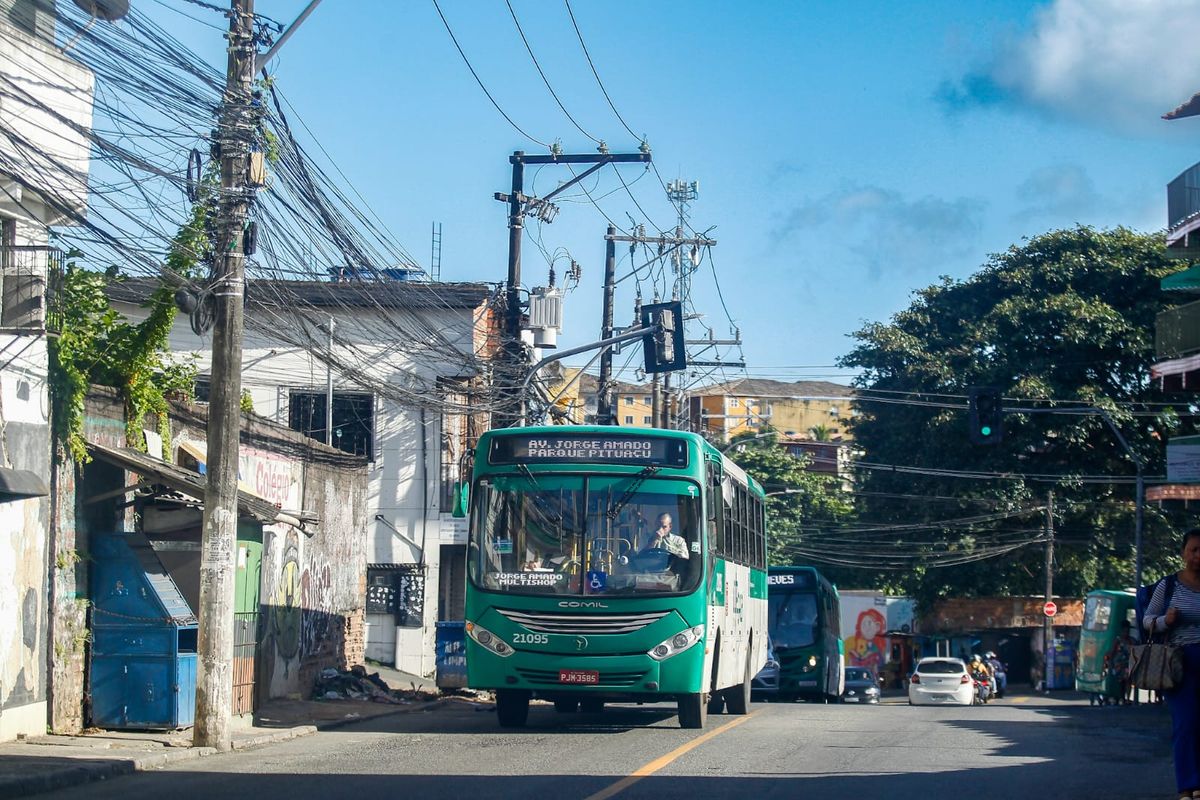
(867, 647)
(285, 603)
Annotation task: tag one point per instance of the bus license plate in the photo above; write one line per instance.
(578, 676)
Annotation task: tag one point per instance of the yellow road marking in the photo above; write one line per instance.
(1019, 700)
(662, 761)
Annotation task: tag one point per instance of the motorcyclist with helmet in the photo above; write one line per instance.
(998, 672)
(981, 673)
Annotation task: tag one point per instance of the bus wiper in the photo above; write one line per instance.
(636, 484)
(528, 476)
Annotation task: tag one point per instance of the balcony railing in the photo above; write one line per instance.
(30, 289)
(1177, 331)
(1183, 196)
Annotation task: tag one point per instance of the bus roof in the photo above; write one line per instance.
(1111, 593)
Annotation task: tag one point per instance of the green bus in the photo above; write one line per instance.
(804, 619)
(1104, 613)
(613, 565)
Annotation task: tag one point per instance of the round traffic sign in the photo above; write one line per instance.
(1050, 609)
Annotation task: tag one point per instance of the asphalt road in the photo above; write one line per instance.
(1023, 747)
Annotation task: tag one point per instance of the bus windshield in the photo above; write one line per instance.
(1096, 613)
(792, 619)
(594, 535)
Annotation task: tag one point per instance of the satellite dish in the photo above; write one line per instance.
(107, 10)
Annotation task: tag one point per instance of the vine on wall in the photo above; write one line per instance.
(98, 346)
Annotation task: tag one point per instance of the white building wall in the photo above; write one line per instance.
(39, 186)
(401, 489)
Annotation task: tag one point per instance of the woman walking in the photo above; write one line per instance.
(1174, 608)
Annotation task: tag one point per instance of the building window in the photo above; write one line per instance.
(646, 420)
(833, 411)
(629, 400)
(629, 419)
(202, 388)
(734, 402)
(353, 420)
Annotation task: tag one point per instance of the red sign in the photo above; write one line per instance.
(1050, 609)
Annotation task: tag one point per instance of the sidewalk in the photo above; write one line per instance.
(46, 763)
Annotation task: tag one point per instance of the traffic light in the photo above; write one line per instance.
(663, 343)
(986, 413)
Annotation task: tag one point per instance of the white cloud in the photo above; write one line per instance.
(884, 231)
(1122, 62)
(1065, 193)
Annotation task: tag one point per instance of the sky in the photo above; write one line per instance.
(847, 153)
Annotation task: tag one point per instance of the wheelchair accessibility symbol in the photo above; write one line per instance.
(596, 581)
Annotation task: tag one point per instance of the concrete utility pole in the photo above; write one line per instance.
(1047, 627)
(604, 407)
(512, 370)
(236, 126)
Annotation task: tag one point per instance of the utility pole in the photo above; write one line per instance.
(329, 388)
(236, 130)
(681, 193)
(668, 245)
(520, 205)
(1047, 629)
(604, 409)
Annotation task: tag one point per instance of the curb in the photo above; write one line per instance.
(66, 777)
(334, 724)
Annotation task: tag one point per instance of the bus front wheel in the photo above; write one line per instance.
(693, 710)
(512, 708)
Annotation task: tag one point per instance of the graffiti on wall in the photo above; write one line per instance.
(316, 599)
(286, 602)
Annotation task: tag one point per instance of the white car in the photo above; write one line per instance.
(941, 681)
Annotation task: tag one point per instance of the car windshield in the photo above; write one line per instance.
(570, 535)
(792, 619)
(857, 674)
(940, 668)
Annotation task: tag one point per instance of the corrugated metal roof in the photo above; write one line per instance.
(324, 294)
(179, 479)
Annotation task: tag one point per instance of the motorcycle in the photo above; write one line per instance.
(983, 691)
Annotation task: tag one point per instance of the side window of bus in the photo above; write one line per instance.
(760, 545)
(739, 533)
(716, 508)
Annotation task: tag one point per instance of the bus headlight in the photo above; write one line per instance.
(808, 666)
(677, 643)
(488, 640)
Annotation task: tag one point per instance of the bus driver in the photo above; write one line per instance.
(664, 539)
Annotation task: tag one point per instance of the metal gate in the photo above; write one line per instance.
(245, 645)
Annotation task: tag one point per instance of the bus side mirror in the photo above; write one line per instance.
(462, 499)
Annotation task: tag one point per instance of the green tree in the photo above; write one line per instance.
(98, 346)
(798, 500)
(1066, 319)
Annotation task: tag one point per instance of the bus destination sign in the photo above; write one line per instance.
(588, 449)
(792, 580)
